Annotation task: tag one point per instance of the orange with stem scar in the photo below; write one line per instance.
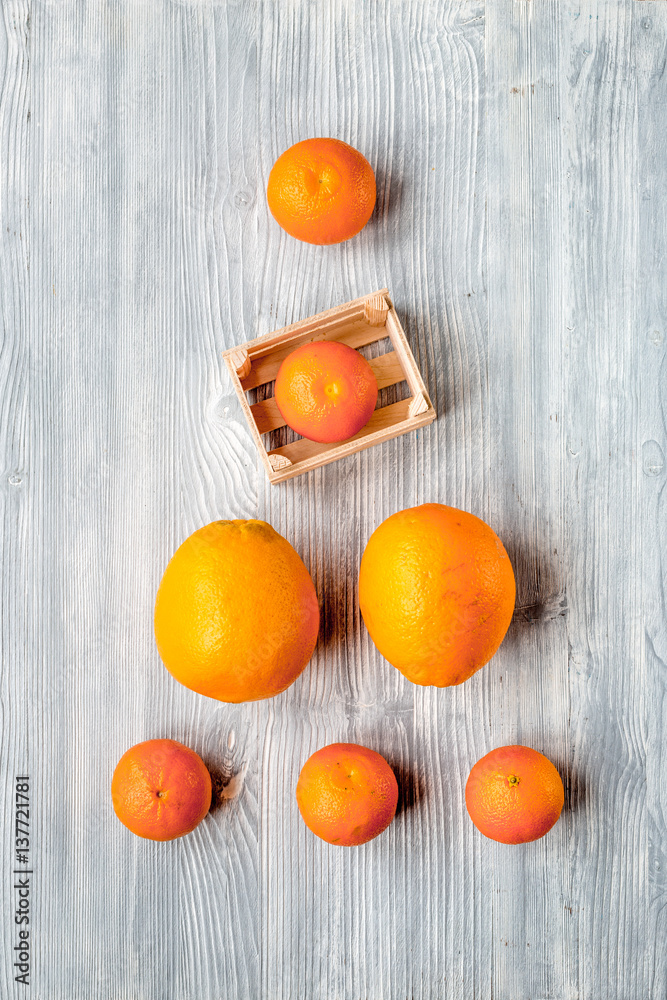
(161, 789)
(321, 191)
(514, 795)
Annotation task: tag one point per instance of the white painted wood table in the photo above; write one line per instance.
(521, 228)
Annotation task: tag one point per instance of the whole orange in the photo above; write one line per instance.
(236, 614)
(161, 789)
(321, 191)
(347, 794)
(436, 591)
(326, 391)
(514, 795)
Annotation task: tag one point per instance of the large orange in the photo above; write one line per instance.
(347, 794)
(321, 191)
(436, 591)
(161, 789)
(236, 615)
(514, 795)
(326, 391)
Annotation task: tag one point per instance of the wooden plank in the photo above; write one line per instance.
(563, 262)
(605, 593)
(386, 368)
(127, 135)
(534, 918)
(650, 339)
(397, 919)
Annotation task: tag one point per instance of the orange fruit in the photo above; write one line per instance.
(326, 391)
(321, 191)
(347, 794)
(514, 795)
(236, 614)
(436, 591)
(161, 789)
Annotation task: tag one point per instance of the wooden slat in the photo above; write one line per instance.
(387, 369)
(267, 416)
(355, 333)
(387, 419)
(346, 312)
(404, 354)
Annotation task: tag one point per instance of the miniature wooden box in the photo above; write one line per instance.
(358, 323)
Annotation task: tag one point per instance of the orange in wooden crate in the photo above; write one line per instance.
(358, 323)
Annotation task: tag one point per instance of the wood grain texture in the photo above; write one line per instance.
(520, 151)
(651, 437)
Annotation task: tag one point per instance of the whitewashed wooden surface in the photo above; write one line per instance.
(520, 150)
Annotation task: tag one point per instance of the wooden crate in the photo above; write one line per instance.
(357, 323)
